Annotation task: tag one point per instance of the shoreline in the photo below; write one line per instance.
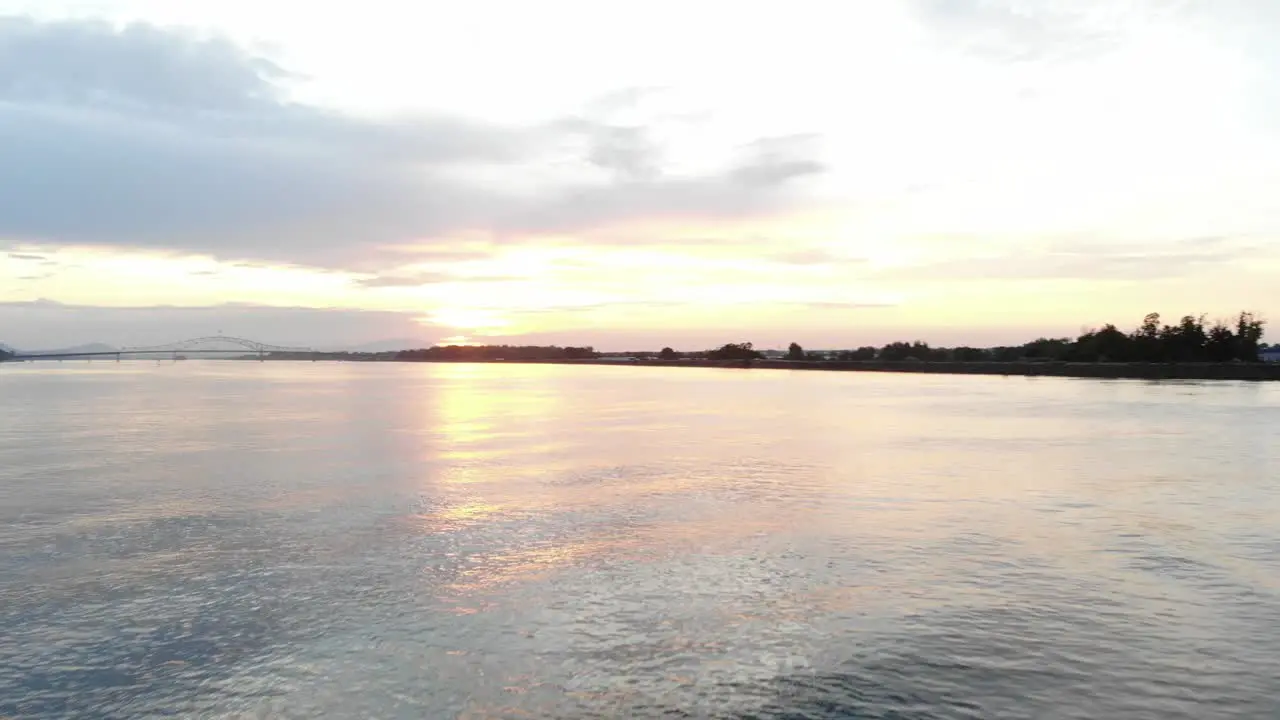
(1254, 372)
(1120, 371)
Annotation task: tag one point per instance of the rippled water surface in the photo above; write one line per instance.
(225, 539)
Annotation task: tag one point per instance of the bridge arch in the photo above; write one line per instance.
(201, 343)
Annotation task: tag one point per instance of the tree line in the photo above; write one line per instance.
(489, 353)
(1190, 340)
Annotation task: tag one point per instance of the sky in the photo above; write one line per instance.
(633, 175)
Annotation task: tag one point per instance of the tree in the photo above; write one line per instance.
(1248, 337)
(895, 352)
(667, 354)
(1047, 349)
(1147, 344)
(899, 351)
(1150, 327)
(1106, 345)
(861, 354)
(734, 351)
(795, 352)
(968, 354)
(1220, 345)
(1185, 342)
(488, 353)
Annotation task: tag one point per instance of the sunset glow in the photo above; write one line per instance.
(966, 179)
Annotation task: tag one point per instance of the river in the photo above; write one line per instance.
(301, 540)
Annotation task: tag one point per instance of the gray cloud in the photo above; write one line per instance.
(775, 160)
(748, 189)
(27, 256)
(627, 152)
(89, 61)
(151, 138)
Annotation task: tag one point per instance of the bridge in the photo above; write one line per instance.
(215, 344)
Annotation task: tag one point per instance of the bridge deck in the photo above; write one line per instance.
(195, 345)
(130, 353)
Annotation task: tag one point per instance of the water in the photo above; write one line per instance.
(481, 541)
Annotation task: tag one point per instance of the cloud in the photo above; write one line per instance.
(569, 309)
(776, 160)
(1085, 260)
(623, 100)
(625, 152)
(674, 304)
(1036, 30)
(27, 256)
(814, 256)
(91, 61)
(162, 139)
(431, 278)
(843, 305)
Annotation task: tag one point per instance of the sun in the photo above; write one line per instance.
(456, 340)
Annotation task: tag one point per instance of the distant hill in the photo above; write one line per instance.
(86, 348)
(378, 346)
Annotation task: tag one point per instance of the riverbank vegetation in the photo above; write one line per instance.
(1190, 340)
(490, 353)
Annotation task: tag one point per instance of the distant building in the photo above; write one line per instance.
(1269, 355)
